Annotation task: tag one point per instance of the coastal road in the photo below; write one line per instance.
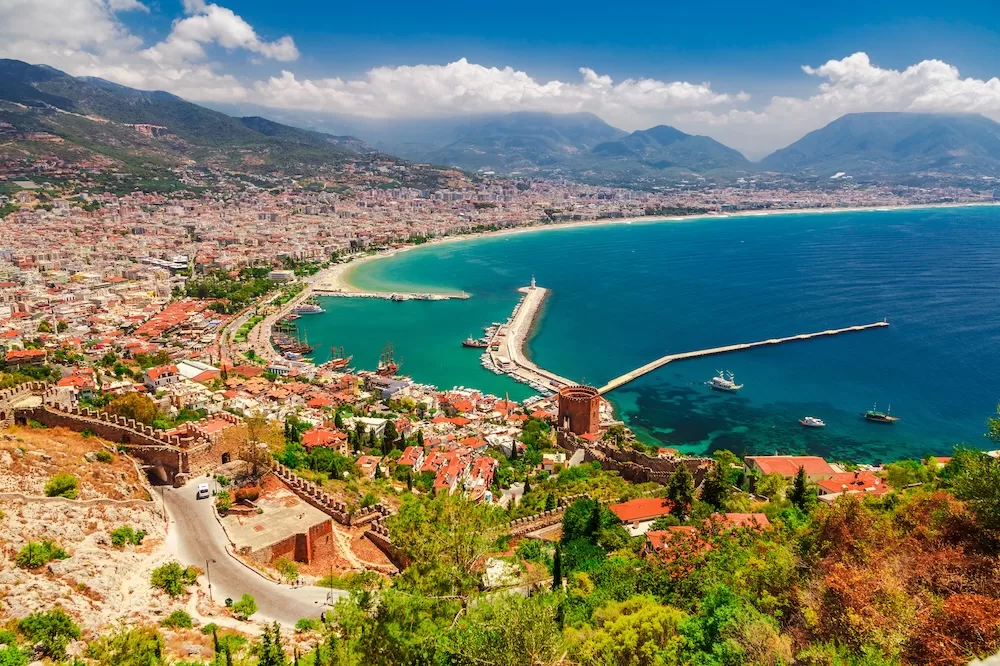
(196, 536)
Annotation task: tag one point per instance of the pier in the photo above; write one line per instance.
(662, 361)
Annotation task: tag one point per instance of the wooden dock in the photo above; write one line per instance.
(660, 362)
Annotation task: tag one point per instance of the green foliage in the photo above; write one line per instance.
(975, 478)
(802, 496)
(173, 579)
(126, 534)
(221, 286)
(223, 501)
(717, 487)
(11, 655)
(287, 568)
(351, 581)
(62, 485)
(51, 631)
(507, 630)
(245, 607)
(903, 473)
(530, 550)
(129, 646)
(444, 539)
(269, 649)
(636, 632)
(104, 456)
(306, 624)
(771, 486)
(179, 619)
(36, 554)
(680, 491)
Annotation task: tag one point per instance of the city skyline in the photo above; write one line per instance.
(752, 83)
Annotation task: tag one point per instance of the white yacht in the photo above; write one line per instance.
(812, 422)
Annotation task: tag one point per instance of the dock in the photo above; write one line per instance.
(506, 348)
(662, 361)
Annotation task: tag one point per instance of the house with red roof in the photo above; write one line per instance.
(367, 465)
(160, 376)
(639, 514)
(20, 357)
(816, 468)
(333, 439)
(851, 483)
(412, 457)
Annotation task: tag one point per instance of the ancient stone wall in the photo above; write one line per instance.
(633, 465)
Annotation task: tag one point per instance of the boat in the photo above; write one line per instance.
(876, 416)
(475, 344)
(308, 306)
(387, 365)
(337, 359)
(812, 422)
(724, 381)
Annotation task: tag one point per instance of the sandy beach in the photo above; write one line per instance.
(335, 281)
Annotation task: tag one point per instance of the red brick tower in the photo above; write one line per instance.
(579, 409)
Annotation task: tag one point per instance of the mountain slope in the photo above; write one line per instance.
(894, 144)
(524, 140)
(664, 147)
(109, 122)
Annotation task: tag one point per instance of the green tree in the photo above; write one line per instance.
(680, 491)
(444, 540)
(550, 502)
(635, 632)
(338, 421)
(527, 484)
(772, 486)
(36, 554)
(173, 579)
(801, 495)
(245, 607)
(716, 489)
(287, 568)
(976, 479)
(389, 435)
(270, 649)
(134, 406)
(507, 630)
(51, 631)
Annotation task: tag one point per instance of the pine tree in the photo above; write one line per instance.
(716, 489)
(800, 496)
(550, 502)
(557, 570)
(338, 421)
(680, 491)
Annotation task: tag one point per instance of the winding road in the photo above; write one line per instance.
(196, 537)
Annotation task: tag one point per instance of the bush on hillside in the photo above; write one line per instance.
(62, 485)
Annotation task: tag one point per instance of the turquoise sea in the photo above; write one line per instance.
(624, 294)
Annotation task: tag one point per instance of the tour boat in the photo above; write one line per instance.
(477, 344)
(876, 416)
(724, 381)
(812, 422)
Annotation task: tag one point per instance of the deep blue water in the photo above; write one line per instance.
(623, 295)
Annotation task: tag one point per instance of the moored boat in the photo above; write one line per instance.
(876, 416)
(812, 422)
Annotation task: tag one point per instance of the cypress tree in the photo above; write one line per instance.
(215, 643)
(800, 490)
(557, 570)
(378, 471)
(550, 502)
(527, 484)
(680, 491)
(338, 421)
(594, 521)
(409, 479)
(420, 438)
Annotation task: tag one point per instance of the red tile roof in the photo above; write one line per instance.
(644, 508)
(789, 465)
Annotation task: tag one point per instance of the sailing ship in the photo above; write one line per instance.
(724, 380)
(387, 365)
(876, 416)
(337, 359)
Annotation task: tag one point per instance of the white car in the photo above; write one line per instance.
(202, 491)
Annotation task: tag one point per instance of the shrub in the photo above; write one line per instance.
(530, 550)
(126, 535)
(39, 553)
(35, 425)
(288, 570)
(223, 481)
(12, 655)
(209, 628)
(86, 433)
(245, 607)
(223, 502)
(173, 579)
(51, 631)
(306, 624)
(104, 456)
(62, 485)
(128, 646)
(179, 619)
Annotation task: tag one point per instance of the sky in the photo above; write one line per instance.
(756, 76)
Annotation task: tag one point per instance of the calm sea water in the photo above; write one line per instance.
(623, 295)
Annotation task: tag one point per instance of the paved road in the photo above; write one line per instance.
(196, 536)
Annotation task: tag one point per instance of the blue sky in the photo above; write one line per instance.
(732, 70)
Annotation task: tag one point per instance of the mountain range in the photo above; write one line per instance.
(105, 121)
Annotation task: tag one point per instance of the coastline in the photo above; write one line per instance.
(335, 281)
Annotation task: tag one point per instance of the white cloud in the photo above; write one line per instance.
(852, 84)
(85, 37)
(462, 87)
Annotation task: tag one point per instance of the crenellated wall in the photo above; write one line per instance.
(633, 465)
